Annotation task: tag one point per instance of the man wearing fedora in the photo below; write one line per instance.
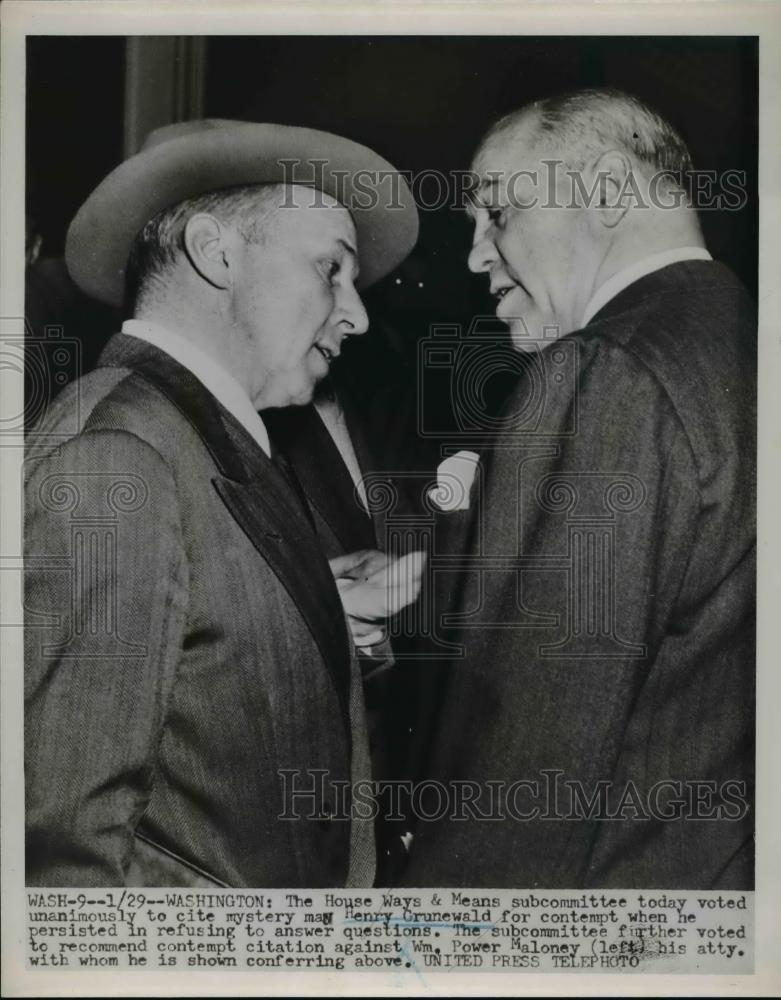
(193, 705)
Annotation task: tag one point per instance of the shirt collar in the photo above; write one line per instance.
(626, 276)
(219, 382)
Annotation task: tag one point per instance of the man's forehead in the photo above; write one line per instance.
(492, 184)
(500, 155)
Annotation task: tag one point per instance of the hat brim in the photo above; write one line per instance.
(101, 235)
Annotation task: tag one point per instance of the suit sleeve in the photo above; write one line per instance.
(105, 603)
(675, 715)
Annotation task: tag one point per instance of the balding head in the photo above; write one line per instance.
(578, 127)
(570, 191)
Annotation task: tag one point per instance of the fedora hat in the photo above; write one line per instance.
(191, 158)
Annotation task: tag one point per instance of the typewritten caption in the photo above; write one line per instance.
(406, 931)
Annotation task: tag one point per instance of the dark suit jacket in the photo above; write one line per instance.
(344, 526)
(185, 642)
(342, 523)
(607, 617)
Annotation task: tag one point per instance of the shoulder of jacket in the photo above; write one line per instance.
(135, 405)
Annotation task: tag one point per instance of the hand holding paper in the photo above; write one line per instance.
(374, 587)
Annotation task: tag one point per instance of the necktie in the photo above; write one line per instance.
(281, 462)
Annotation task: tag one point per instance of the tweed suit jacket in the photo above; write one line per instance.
(606, 621)
(185, 644)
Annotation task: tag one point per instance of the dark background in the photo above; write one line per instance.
(423, 103)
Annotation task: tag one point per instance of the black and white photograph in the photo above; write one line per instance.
(385, 461)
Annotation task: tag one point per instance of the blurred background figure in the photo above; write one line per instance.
(66, 330)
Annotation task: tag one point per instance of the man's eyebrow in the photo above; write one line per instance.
(351, 250)
(348, 246)
(476, 195)
(489, 185)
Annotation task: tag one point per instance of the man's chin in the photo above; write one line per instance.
(304, 396)
(299, 394)
(531, 334)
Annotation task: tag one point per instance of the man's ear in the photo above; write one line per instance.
(614, 179)
(207, 248)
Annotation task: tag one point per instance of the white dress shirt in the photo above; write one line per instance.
(332, 415)
(220, 383)
(627, 275)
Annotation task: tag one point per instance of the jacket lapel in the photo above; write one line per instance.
(327, 482)
(287, 543)
(259, 499)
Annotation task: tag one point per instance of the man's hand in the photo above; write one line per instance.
(374, 587)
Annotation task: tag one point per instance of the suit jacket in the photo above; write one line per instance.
(605, 611)
(342, 523)
(185, 646)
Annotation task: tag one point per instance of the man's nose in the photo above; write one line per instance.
(354, 319)
(483, 253)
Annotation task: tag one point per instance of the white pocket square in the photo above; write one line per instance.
(455, 476)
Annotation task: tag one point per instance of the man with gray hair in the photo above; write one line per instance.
(193, 702)
(597, 727)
